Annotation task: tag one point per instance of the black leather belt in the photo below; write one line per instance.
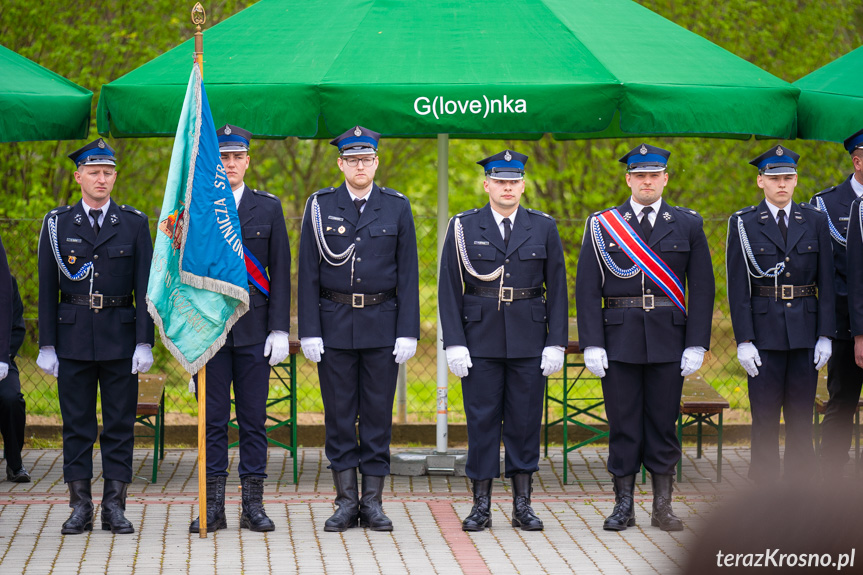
(97, 300)
(509, 294)
(646, 301)
(253, 290)
(358, 300)
(785, 291)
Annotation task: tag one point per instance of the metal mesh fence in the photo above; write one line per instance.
(20, 238)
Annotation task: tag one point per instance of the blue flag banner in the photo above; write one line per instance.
(198, 284)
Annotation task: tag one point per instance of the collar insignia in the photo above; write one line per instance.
(666, 216)
(627, 216)
(114, 219)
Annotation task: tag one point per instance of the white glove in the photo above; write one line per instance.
(458, 360)
(313, 347)
(4, 370)
(47, 360)
(405, 348)
(692, 359)
(552, 360)
(596, 360)
(277, 347)
(142, 360)
(823, 351)
(747, 355)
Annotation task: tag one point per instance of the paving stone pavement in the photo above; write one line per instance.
(426, 512)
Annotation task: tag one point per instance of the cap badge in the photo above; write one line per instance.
(643, 150)
(101, 144)
(779, 150)
(358, 132)
(507, 156)
(227, 130)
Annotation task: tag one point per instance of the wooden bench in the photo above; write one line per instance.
(151, 413)
(699, 405)
(822, 396)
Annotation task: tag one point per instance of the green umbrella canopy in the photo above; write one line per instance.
(462, 67)
(37, 104)
(831, 99)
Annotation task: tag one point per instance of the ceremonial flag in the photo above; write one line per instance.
(198, 284)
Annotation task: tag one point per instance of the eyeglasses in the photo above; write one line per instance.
(352, 162)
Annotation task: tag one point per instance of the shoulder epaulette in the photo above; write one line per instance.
(265, 194)
(391, 192)
(539, 213)
(323, 191)
(467, 213)
(689, 211)
(59, 210)
(826, 191)
(126, 208)
(808, 206)
(744, 211)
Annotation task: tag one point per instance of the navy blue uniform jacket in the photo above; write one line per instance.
(855, 270)
(533, 258)
(837, 200)
(121, 258)
(266, 237)
(9, 299)
(385, 258)
(633, 335)
(772, 323)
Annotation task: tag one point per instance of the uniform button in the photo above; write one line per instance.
(359, 260)
(507, 275)
(809, 247)
(479, 255)
(258, 233)
(96, 274)
(675, 247)
(384, 230)
(506, 261)
(788, 304)
(73, 251)
(786, 259)
(95, 311)
(762, 249)
(648, 291)
(357, 239)
(507, 303)
(788, 274)
(359, 280)
(543, 317)
(96, 257)
(122, 252)
(465, 317)
(533, 254)
(606, 321)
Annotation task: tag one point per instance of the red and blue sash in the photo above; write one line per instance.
(257, 273)
(642, 256)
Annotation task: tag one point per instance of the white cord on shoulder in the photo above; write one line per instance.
(324, 251)
(749, 257)
(464, 260)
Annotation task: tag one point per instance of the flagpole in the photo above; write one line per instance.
(198, 18)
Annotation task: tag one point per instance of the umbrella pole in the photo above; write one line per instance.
(198, 18)
(442, 221)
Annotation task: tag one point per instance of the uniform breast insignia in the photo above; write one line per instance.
(666, 216)
(336, 218)
(844, 219)
(341, 229)
(480, 243)
(72, 260)
(79, 240)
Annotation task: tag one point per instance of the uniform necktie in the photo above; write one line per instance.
(646, 226)
(95, 214)
(507, 231)
(358, 204)
(782, 226)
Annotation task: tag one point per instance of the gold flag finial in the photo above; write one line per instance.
(198, 14)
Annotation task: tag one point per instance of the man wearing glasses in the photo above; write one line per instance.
(358, 320)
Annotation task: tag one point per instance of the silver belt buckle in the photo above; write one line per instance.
(787, 291)
(94, 297)
(647, 301)
(506, 294)
(358, 300)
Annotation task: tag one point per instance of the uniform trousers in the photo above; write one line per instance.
(13, 416)
(844, 381)
(358, 383)
(249, 370)
(642, 403)
(77, 383)
(503, 395)
(785, 383)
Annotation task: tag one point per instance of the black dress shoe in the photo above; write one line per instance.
(20, 476)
